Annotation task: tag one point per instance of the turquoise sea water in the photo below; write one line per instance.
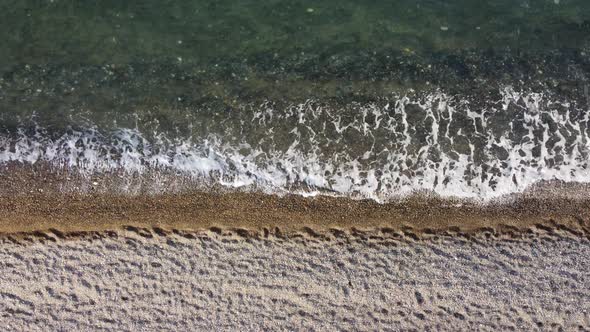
(358, 98)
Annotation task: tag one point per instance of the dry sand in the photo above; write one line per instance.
(178, 281)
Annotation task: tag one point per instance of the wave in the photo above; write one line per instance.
(449, 145)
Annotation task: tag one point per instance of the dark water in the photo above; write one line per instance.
(202, 32)
(373, 98)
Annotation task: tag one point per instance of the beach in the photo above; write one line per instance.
(295, 165)
(40, 198)
(222, 280)
(222, 260)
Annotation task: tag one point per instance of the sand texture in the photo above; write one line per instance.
(79, 254)
(256, 211)
(39, 198)
(219, 280)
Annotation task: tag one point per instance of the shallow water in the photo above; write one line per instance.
(372, 99)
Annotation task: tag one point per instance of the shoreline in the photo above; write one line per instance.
(38, 198)
(254, 213)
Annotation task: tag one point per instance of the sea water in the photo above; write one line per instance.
(374, 99)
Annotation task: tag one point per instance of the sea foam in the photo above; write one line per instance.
(448, 145)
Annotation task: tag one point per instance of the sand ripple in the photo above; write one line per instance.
(157, 280)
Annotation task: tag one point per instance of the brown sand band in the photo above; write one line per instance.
(256, 211)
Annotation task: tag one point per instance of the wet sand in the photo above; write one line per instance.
(36, 198)
(257, 212)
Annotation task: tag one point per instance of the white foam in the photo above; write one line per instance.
(399, 156)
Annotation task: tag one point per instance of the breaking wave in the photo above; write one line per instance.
(449, 145)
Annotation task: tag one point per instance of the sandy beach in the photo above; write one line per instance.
(171, 280)
(70, 246)
(226, 261)
(336, 165)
